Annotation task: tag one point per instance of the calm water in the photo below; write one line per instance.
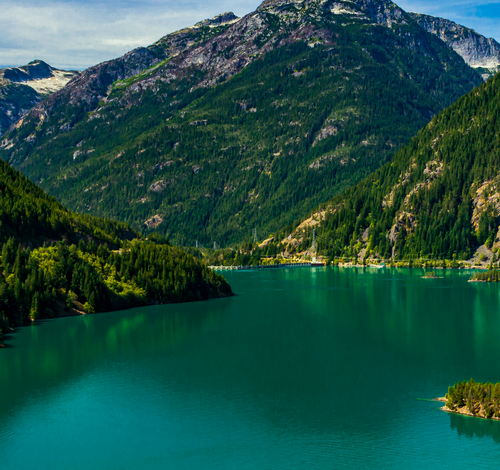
(304, 369)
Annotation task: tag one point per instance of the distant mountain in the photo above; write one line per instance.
(478, 51)
(235, 124)
(21, 88)
(439, 196)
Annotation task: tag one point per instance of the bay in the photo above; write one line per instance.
(305, 368)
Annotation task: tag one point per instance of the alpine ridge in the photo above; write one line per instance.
(21, 88)
(237, 123)
(479, 52)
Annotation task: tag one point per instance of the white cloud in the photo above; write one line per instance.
(73, 34)
(78, 34)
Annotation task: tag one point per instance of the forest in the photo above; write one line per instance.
(55, 262)
(479, 399)
(437, 198)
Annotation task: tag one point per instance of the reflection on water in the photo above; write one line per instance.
(475, 427)
(75, 345)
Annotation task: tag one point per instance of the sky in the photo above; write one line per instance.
(76, 34)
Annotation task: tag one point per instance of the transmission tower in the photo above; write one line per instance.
(314, 246)
(255, 239)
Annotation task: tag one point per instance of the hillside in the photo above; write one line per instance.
(478, 51)
(240, 123)
(21, 88)
(55, 262)
(439, 196)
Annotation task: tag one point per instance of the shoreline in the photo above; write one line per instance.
(406, 266)
(463, 411)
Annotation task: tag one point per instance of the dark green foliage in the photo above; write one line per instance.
(479, 399)
(42, 273)
(31, 216)
(295, 127)
(422, 203)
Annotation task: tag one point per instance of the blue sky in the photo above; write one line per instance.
(78, 34)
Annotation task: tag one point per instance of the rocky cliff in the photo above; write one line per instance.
(478, 51)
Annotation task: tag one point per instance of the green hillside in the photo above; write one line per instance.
(55, 262)
(250, 128)
(439, 196)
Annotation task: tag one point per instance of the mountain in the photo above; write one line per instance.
(479, 52)
(439, 196)
(21, 88)
(55, 262)
(235, 124)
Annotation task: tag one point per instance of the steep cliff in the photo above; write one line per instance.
(478, 51)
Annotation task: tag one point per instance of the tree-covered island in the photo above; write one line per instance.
(474, 399)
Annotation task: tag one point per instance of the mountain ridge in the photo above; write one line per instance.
(214, 130)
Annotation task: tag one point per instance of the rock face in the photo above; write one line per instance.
(477, 51)
(219, 20)
(261, 118)
(21, 88)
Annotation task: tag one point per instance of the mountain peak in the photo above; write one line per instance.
(384, 12)
(219, 20)
(35, 70)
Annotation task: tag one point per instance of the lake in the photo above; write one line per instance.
(307, 368)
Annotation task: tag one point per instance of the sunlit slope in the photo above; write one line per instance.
(439, 196)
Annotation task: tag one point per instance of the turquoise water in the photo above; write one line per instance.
(303, 369)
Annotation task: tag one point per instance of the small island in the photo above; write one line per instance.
(473, 399)
(431, 275)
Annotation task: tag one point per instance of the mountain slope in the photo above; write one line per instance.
(478, 51)
(439, 196)
(21, 88)
(213, 131)
(55, 262)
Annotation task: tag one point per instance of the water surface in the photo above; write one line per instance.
(303, 369)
